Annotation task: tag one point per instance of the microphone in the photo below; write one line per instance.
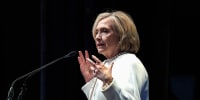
(28, 75)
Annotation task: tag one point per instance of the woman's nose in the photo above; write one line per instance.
(98, 36)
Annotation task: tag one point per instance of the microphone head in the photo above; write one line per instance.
(71, 54)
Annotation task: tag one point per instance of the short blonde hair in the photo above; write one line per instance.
(125, 27)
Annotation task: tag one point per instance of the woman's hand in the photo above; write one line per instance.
(100, 71)
(85, 66)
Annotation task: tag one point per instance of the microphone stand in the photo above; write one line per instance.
(23, 90)
(28, 75)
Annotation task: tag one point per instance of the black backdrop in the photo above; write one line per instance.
(38, 31)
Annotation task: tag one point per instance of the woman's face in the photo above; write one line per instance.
(106, 38)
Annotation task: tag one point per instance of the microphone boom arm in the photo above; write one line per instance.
(11, 90)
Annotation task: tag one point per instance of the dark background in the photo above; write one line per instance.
(35, 32)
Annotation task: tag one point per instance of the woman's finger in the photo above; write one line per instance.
(90, 61)
(96, 59)
(81, 57)
(86, 54)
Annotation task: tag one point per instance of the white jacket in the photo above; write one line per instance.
(130, 81)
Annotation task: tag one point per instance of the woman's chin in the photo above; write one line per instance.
(100, 51)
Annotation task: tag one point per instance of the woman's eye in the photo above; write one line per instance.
(105, 31)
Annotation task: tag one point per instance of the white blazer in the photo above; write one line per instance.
(130, 81)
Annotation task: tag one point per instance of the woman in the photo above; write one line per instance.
(121, 76)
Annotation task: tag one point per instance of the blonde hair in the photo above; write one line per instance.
(125, 28)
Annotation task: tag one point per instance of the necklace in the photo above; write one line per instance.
(114, 57)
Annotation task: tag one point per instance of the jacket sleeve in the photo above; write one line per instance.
(88, 86)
